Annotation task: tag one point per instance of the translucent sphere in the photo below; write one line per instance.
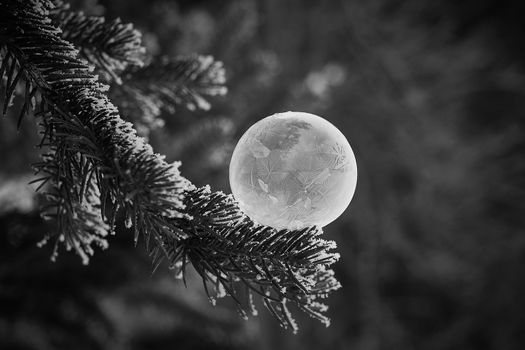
(292, 170)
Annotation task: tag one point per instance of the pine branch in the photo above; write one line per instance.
(76, 209)
(96, 166)
(229, 251)
(183, 80)
(111, 46)
(166, 84)
(79, 119)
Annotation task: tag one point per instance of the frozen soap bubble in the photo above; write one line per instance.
(292, 170)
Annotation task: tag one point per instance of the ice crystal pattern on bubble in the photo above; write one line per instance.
(293, 170)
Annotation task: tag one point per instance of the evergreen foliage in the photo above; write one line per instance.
(109, 46)
(94, 165)
(167, 83)
(67, 306)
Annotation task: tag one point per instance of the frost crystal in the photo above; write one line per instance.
(293, 170)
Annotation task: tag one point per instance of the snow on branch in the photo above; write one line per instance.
(95, 165)
(238, 258)
(109, 45)
(79, 118)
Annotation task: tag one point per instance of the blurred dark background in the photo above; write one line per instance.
(431, 96)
